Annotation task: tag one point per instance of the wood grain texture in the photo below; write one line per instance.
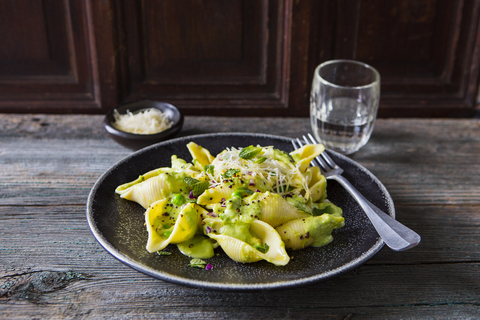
(52, 267)
(235, 57)
(49, 60)
(221, 56)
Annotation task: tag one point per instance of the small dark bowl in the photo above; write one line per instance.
(137, 141)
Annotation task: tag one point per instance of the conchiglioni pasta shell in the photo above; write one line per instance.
(186, 225)
(142, 178)
(236, 249)
(275, 210)
(306, 154)
(241, 251)
(318, 190)
(200, 154)
(180, 165)
(293, 234)
(147, 192)
(215, 195)
(296, 235)
(276, 253)
(202, 213)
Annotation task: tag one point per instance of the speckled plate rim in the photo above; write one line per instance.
(354, 263)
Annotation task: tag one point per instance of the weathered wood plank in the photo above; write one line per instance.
(140, 309)
(124, 292)
(58, 240)
(52, 267)
(73, 165)
(426, 161)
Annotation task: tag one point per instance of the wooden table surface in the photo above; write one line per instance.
(52, 267)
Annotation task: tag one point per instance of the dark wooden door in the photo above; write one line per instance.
(234, 57)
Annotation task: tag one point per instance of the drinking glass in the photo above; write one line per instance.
(343, 104)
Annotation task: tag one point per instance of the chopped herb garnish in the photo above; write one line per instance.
(243, 190)
(263, 249)
(297, 204)
(164, 253)
(209, 169)
(198, 187)
(198, 263)
(190, 181)
(249, 152)
(260, 160)
(230, 173)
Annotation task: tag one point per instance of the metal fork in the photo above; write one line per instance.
(395, 235)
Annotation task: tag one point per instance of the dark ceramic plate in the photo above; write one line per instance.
(118, 224)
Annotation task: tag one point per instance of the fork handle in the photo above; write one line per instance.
(395, 235)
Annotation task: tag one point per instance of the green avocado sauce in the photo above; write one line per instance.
(176, 183)
(283, 156)
(320, 228)
(236, 219)
(199, 247)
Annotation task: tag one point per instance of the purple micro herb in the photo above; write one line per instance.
(209, 266)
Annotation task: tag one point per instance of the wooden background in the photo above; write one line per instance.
(235, 57)
(51, 266)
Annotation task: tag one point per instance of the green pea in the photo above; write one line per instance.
(237, 194)
(178, 200)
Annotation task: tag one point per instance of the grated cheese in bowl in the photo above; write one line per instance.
(146, 121)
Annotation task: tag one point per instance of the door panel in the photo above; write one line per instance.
(221, 56)
(235, 57)
(46, 62)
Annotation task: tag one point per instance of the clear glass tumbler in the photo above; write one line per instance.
(344, 104)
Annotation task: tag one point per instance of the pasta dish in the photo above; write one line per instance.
(254, 202)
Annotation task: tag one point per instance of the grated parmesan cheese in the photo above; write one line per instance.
(279, 176)
(147, 121)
